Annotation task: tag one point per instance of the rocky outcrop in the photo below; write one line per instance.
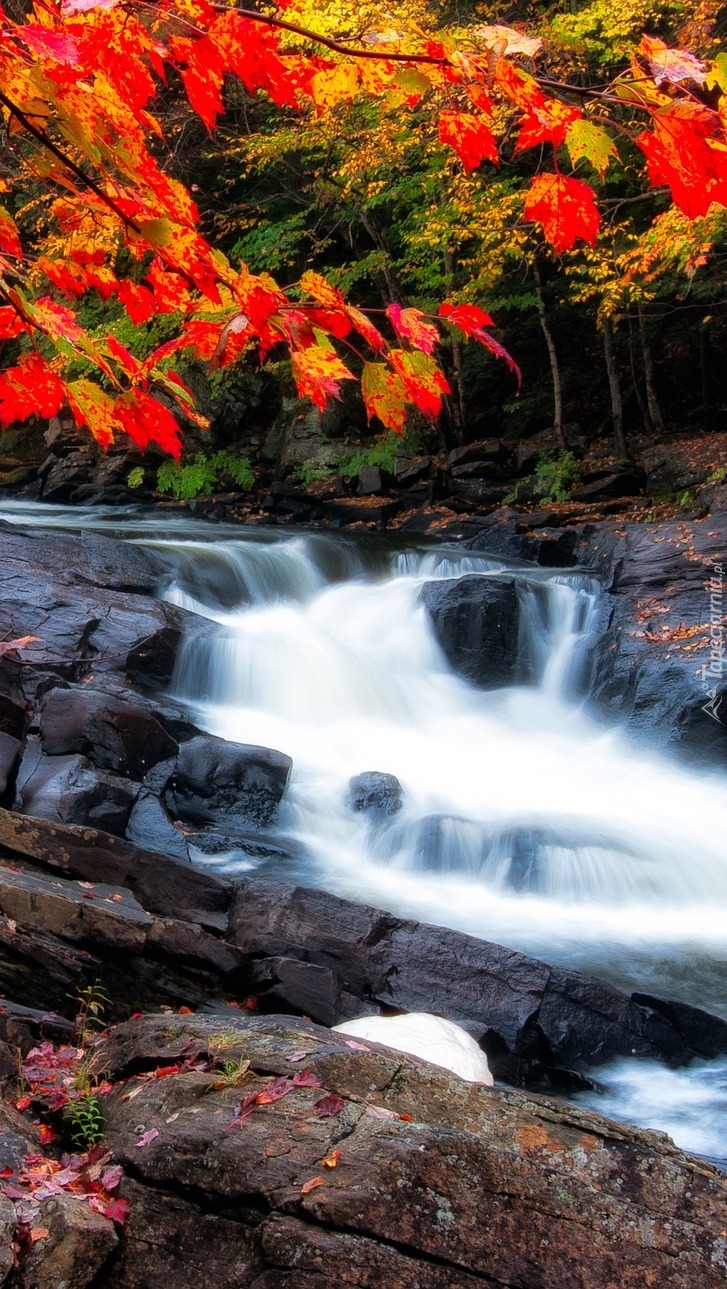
(375, 793)
(657, 667)
(270, 1153)
(78, 907)
(475, 621)
(352, 1164)
(81, 740)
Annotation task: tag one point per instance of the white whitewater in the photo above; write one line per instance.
(523, 821)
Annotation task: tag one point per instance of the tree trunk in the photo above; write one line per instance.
(646, 419)
(706, 377)
(458, 403)
(614, 386)
(553, 356)
(652, 397)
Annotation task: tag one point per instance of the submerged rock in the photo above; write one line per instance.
(375, 792)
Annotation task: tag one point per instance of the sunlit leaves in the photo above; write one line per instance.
(671, 66)
(385, 396)
(9, 236)
(470, 136)
(412, 325)
(684, 152)
(565, 208)
(318, 373)
(30, 388)
(590, 142)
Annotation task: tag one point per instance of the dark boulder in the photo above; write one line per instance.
(150, 827)
(476, 622)
(544, 1015)
(375, 792)
(117, 734)
(69, 789)
(226, 783)
(9, 754)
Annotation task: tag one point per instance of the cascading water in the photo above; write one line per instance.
(523, 819)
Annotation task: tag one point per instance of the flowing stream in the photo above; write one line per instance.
(524, 820)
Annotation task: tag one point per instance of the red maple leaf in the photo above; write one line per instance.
(470, 136)
(565, 208)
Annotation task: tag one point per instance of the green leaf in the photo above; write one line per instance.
(584, 139)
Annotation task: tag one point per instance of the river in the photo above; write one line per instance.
(524, 819)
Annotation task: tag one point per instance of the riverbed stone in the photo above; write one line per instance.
(376, 793)
(215, 781)
(117, 734)
(475, 622)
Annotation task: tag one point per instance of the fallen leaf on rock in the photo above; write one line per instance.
(10, 646)
(146, 1137)
(312, 1185)
(117, 1211)
(306, 1079)
(357, 1047)
(298, 1056)
(39, 1233)
(331, 1159)
(111, 1177)
(379, 1112)
(275, 1091)
(329, 1106)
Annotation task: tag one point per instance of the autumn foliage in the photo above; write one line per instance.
(78, 85)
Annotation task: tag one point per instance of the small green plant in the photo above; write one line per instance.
(203, 474)
(717, 476)
(229, 1074)
(382, 454)
(92, 1004)
(135, 477)
(86, 1121)
(307, 473)
(554, 476)
(552, 479)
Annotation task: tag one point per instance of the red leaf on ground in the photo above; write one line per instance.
(329, 1106)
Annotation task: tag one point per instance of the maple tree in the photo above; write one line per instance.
(77, 82)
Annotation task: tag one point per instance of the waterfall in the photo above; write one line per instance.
(522, 819)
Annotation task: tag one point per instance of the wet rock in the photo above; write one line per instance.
(69, 789)
(116, 734)
(485, 450)
(375, 792)
(8, 1223)
(167, 887)
(221, 782)
(571, 1199)
(369, 481)
(476, 621)
(618, 483)
(9, 754)
(89, 912)
(150, 827)
(78, 1243)
(545, 1015)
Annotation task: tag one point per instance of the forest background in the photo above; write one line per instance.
(625, 336)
